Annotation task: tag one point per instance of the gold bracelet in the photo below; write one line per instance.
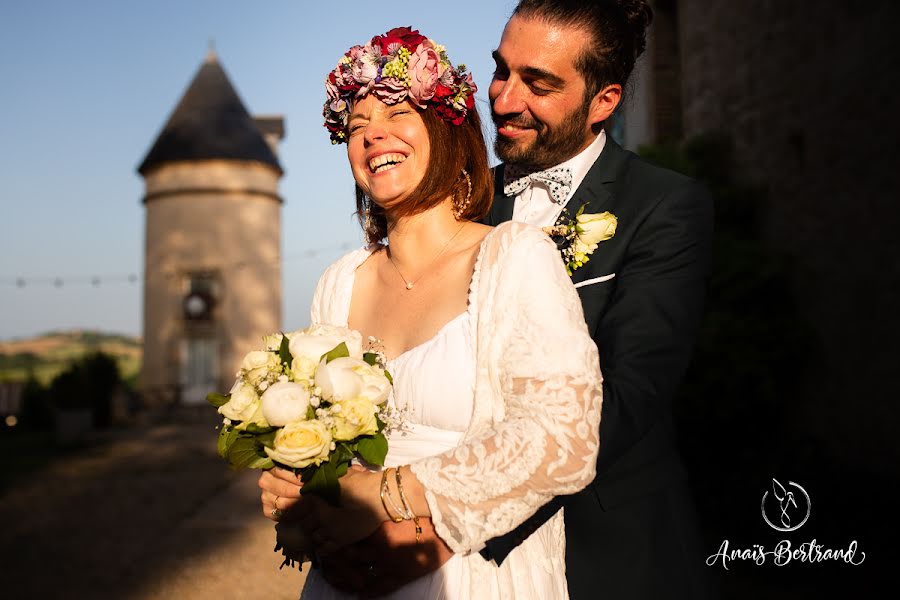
(404, 514)
(384, 488)
(410, 514)
(409, 511)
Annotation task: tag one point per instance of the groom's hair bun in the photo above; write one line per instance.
(618, 29)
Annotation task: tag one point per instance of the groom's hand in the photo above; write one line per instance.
(387, 560)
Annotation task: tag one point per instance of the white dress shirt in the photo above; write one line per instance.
(536, 207)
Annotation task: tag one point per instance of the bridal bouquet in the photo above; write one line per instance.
(310, 401)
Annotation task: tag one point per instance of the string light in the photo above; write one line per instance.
(97, 281)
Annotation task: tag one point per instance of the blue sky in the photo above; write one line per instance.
(85, 87)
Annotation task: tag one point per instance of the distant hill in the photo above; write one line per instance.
(48, 354)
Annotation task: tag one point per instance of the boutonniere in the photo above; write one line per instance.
(578, 238)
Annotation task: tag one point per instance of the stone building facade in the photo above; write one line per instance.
(806, 92)
(212, 241)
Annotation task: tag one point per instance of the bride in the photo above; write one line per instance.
(482, 329)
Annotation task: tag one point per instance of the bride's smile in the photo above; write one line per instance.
(385, 162)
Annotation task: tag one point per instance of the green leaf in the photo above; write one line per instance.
(217, 399)
(262, 462)
(258, 429)
(247, 453)
(267, 439)
(339, 351)
(371, 358)
(388, 375)
(310, 413)
(322, 480)
(284, 352)
(373, 449)
(227, 435)
(343, 453)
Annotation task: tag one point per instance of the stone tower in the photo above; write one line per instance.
(212, 241)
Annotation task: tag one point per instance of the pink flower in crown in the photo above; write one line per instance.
(390, 91)
(364, 67)
(339, 105)
(447, 78)
(424, 72)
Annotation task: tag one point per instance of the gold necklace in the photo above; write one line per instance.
(409, 284)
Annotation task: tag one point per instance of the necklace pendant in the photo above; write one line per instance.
(408, 285)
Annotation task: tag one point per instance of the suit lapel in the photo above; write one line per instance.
(596, 190)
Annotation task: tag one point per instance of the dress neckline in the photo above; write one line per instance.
(440, 332)
(372, 248)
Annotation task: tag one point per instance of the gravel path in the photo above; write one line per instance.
(143, 514)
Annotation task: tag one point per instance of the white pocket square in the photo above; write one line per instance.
(594, 280)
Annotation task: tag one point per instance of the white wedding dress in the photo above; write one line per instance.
(479, 496)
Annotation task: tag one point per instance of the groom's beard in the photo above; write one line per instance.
(550, 147)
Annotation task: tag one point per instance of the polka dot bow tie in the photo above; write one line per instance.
(558, 181)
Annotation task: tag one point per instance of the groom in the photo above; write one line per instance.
(561, 68)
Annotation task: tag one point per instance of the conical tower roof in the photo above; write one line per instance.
(209, 122)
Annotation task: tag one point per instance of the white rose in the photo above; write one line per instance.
(285, 402)
(348, 377)
(304, 367)
(257, 365)
(355, 418)
(301, 444)
(244, 405)
(312, 343)
(595, 228)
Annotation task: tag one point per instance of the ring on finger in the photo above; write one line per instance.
(276, 513)
(276, 502)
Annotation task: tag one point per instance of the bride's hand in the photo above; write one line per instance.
(358, 515)
(280, 490)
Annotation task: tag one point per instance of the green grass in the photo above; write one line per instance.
(48, 355)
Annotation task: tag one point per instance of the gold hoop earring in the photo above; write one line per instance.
(368, 224)
(459, 207)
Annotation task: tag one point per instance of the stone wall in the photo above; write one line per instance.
(807, 91)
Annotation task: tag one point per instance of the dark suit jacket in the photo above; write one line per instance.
(632, 533)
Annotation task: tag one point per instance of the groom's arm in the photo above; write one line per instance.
(387, 560)
(645, 336)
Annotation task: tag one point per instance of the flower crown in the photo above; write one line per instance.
(395, 66)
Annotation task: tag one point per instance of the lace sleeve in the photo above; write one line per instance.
(544, 438)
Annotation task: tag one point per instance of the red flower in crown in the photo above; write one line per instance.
(442, 91)
(405, 36)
